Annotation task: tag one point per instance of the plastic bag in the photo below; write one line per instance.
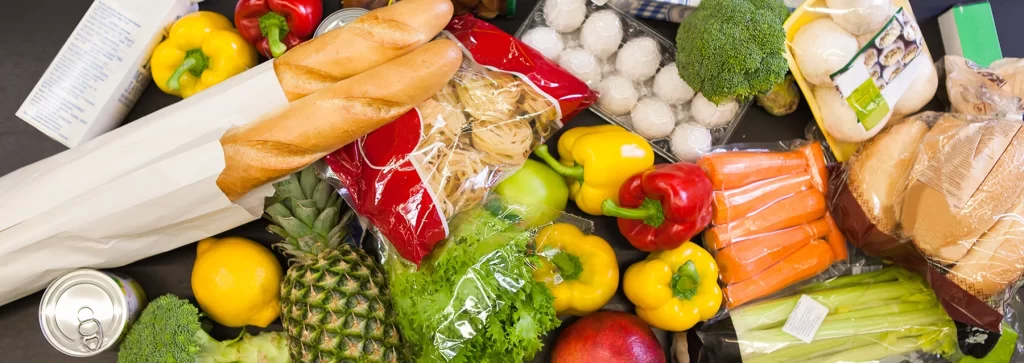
(410, 176)
(770, 227)
(941, 194)
(977, 91)
(859, 64)
(475, 298)
(1012, 70)
(888, 315)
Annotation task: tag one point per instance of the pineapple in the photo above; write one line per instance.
(335, 303)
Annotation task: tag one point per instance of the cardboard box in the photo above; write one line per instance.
(969, 31)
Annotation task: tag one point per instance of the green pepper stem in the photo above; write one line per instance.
(575, 171)
(650, 211)
(569, 266)
(274, 27)
(685, 280)
(195, 62)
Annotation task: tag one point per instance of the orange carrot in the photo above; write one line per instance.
(733, 204)
(799, 208)
(744, 259)
(816, 165)
(803, 264)
(836, 240)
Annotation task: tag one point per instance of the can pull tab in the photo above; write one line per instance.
(90, 330)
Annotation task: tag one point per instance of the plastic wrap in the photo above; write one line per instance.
(633, 68)
(475, 297)
(941, 194)
(410, 176)
(770, 226)
(889, 315)
(978, 91)
(859, 63)
(486, 9)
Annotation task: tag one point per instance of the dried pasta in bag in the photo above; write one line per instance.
(413, 175)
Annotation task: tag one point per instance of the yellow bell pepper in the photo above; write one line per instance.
(580, 270)
(596, 161)
(201, 50)
(674, 289)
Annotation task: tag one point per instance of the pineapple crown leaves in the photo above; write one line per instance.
(306, 213)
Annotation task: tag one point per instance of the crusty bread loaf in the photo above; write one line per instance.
(310, 128)
(377, 37)
(997, 260)
(957, 153)
(878, 171)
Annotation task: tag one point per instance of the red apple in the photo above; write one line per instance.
(608, 336)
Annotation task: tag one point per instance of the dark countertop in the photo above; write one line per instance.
(33, 32)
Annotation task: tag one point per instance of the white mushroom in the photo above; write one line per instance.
(546, 41)
(690, 141)
(861, 16)
(565, 15)
(653, 118)
(840, 120)
(821, 47)
(581, 64)
(617, 95)
(670, 87)
(711, 115)
(601, 33)
(639, 59)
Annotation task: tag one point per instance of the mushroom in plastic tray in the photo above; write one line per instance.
(633, 69)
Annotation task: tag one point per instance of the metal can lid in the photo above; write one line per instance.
(339, 18)
(83, 313)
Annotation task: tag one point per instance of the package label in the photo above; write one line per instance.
(805, 319)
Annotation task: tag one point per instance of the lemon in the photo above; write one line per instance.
(236, 282)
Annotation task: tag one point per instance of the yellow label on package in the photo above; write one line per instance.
(875, 79)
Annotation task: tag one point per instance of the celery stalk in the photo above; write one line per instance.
(874, 352)
(874, 277)
(883, 310)
(817, 348)
(765, 341)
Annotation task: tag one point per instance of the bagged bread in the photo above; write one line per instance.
(1012, 70)
(411, 176)
(983, 92)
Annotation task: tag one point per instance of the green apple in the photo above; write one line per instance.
(536, 193)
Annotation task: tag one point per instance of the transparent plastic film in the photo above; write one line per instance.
(888, 315)
(770, 225)
(978, 91)
(860, 64)
(941, 194)
(411, 176)
(477, 296)
(632, 67)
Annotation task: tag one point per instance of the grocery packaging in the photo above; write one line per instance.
(178, 176)
(674, 289)
(940, 194)
(603, 337)
(770, 227)
(182, 69)
(969, 31)
(890, 313)
(973, 90)
(662, 207)
(170, 330)
(475, 297)
(484, 9)
(326, 274)
(409, 177)
(859, 64)
(673, 11)
(580, 270)
(100, 306)
(596, 161)
(632, 67)
(277, 25)
(60, 108)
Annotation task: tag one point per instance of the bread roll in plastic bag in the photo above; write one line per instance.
(974, 90)
(770, 226)
(411, 176)
(943, 195)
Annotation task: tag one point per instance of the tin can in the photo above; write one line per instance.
(87, 311)
(339, 18)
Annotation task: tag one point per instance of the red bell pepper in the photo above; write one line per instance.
(274, 26)
(663, 207)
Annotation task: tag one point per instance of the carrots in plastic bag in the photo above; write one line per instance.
(734, 169)
(836, 240)
(802, 207)
(745, 259)
(803, 264)
(733, 204)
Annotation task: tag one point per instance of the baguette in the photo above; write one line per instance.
(372, 39)
(308, 129)
(996, 261)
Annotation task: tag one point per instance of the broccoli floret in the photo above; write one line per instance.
(733, 48)
(169, 331)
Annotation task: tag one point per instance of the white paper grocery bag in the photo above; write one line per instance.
(132, 193)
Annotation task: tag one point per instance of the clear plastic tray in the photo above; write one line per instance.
(633, 28)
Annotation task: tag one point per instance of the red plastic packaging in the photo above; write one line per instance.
(411, 176)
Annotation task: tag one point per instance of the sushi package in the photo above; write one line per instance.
(770, 225)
